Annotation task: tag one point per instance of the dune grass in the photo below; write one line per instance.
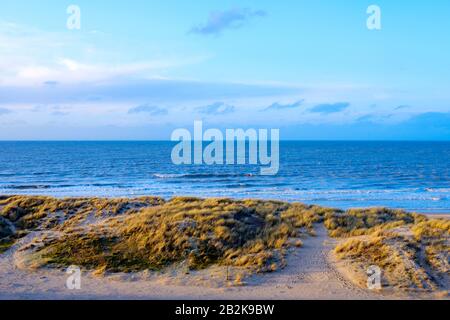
(357, 222)
(27, 212)
(397, 256)
(434, 236)
(411, 250)
(21, 214)
(251, 234)
(150, 233)
(154, 234)
(7, 233)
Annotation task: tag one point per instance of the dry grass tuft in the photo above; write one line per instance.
(412, 252)
(398, 258)
(357, 222)
(30, 212)
(434, 236)
(21, 214)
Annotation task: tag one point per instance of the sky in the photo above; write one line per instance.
(137, 70)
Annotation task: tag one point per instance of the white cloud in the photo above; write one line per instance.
(32, 57)
(69, 71)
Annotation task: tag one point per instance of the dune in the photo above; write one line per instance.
(188, 248)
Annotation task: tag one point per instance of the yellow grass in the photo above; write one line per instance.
(412, 251)
(357, 222)
(149, 233)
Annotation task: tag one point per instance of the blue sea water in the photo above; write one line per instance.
(410, 175)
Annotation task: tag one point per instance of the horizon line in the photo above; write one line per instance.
(281, 140)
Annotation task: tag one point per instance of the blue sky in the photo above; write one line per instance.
(139, 69)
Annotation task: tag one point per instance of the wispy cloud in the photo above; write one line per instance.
(366, 118)
(217, 108)
(4, 111)
(38, 108)
(432, 119)
(374, 118)
(51, 83)
(67, 58)
(424, 126)
(278, 106)
(218, 21)
(139, 91)
(152, 110)
(70, 71)
(327, 108)
(59, 113)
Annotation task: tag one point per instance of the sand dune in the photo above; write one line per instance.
(311, 273)
(306, 265)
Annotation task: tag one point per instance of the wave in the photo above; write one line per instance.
(58, 186)
(167, 176)
(25, 187)
(201, 175)
(444, 190)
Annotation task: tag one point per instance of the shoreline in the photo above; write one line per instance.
(436, 214)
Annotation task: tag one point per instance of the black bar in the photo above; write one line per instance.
(241, 309)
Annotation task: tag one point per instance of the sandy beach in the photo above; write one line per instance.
(312, 272)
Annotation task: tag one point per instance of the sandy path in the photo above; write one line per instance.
(310, 274)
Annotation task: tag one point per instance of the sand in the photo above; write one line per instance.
(311, 273)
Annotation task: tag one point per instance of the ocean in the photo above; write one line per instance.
(414, 176)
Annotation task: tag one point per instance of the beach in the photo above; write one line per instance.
(310, 271)
(309, 275)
